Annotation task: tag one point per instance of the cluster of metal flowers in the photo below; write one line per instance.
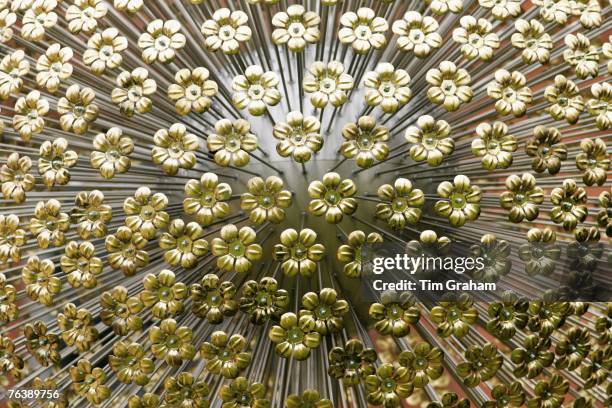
(209, 173)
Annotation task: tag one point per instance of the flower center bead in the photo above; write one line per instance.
(332, 197)
(267, 201)
(57, 163)
(328, 85)
(295, 335)
(566, 206)
(147, 212)
(184, 244)
(193, 92)
(112, 155)
(388, 385)
(458, 201)
(417, 36)
(256, 92)
(134, 93)
(363, 32)
(162, 42)
(399, 204)
(448, 87)
(237, 249)
(296, 29)
(226, 33)
(106, 52)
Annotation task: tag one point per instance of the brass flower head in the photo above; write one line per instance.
(350, 253)
(77, 327)
(533, 357)
(549, 393)
(430, 140)
(207, 199)
(49, 224)
(80, 264)
(174, 149)
(460, 200)
(8, 299)
(332, 197)
(83, 15)
(327, 83)
(546, 149)
(183, 243)
(522, 198)
(54, 161)
(394, 314)
(40, 283)
(506, 396)
(388, 87)
(596, 370)
(53, 67)
(120, 312)
(161, 41)
(13, 67)
(111, 154)
(495, 254)
(192, 91)
(296, 27)
(363, 30)
(325, 310)
(604, 216)
(15, 177)
(352, 363)
(232, 142)
(585, 251)
(7, 21)
(77, 109)
(581, 55)
(213, 299)
(12, 238)
(265, 200)
(130, 364)
(172, 343)
(299, 137)
(424, 363)
(557, 11)
(183, 390)
(494, 145)
(388, 386)
(450, 400)
(226, 355)
(309, 398)
(454, 315)
(145, 212)
(263, 300)
(131, 6)
(511, 93)
(133, 92)
(226, 30)
(508, 315)
(241, 393)
(10, 362)
(89, 382)
(601, 105)
(91, 214)
(482, 364)
(569, 205)
(295, 337)
(565, 99)
(365, 141)
(401, 203)
(476, 38)
(298, 252)
(548, 314)
(603, 324)
(126, 251)
(256, 90)
(573, 348)
(541, 253)
(593, 161)
(530, 36)
(42, 346)
(236, 249)
(29, 115)
(104, 51)
(417, 33)
(450, 86)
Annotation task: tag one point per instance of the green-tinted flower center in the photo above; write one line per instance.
(237, 249)
(388, 385)
(295, 335)
(300, 252)
(173, 342)
(147, 212)
(457, 200)
(184, 244)
(323, 312)
(267, 201)
(332, 197)
(399, 204)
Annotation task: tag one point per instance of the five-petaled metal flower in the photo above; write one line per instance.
(296, 27)
(533, 357)
(241, 393)
(325, 310)
(40, 283)
(351, 363)
(548, 313)
(226, 30)
(130, 364)
(589, 12)
(541, 252)
(89, 382)
(8, 301)
(10, 362)
(54, 161)
(263, 300)
(389, 385)
(566, 101)
(476, 38)
(449, 86)
(29, 115)
(49, 224)
(506, 396)
(161, 41)
(481, 365)
(584, 253)
(511, 93)
(91, 214)
(363, 30)
(454, 315)
(77, 109)
(424, 363)
(295, 337)
(256, 90)
(573, 348)
(332, 197)
(232, 142)
(365, 141)
(236, 249)
(80, 264)
(226, 355)
(172, 343)
(207, 198)
(387, 87)
(126, 250)
(265, 200)
(184, 391)
(299, 137)
(15, 177)
(39, 17)
(593, 161)
(394, 314)
(192, 91)
(174, 149)
(583, 56)
(597, 368)
(531, 37)
(120, 312)
(53, 67)
(350, 253)
(401, 203)
(549, 393)
(41, 344)
(13, 67)
(601, 105)
(104, 51)
(298, 252)
(133, 91)
(557, 11)
(145, 212)
(77, 327)
(83, 15)
(12, 238)
(569, 205)
(494, 145)
(417, 33)
(522, 198)
(213, 299)
(495, 253)
(604, 216)
(460, 200)
(507, 315)
(111, 154)
(7, 21)
(327, 83)
(546, 149)
(183, 243)
(430, 140)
